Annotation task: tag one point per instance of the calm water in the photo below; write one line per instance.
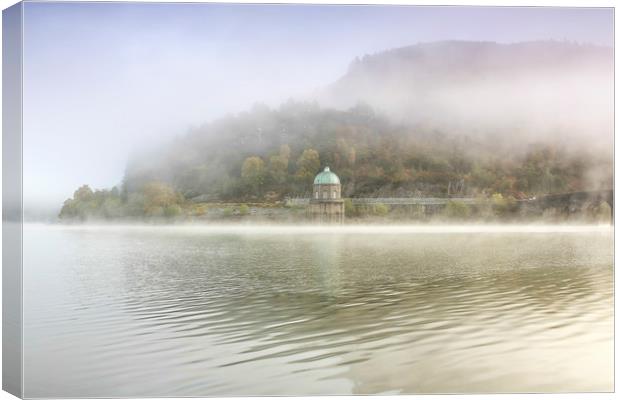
(194, 311)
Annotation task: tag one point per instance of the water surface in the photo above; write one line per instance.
(176, 311)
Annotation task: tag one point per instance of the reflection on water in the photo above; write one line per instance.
(155, 311)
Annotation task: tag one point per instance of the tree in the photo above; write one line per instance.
(84, 193)
(345, 154)
(159, 194)
(278, 169)
(253, 172)
(135, 204)
(285, 152)
(68, 210)
(308, 164)
(83, 205)
(154, 199)
(112, 207)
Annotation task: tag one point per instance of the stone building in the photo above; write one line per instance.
(326, 204)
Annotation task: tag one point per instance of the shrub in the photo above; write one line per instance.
(457, 210)
(349, 208)
(381, 209)
(154, 211)
(201, 210)
(172, 211)
(503, 205)
(602, 213)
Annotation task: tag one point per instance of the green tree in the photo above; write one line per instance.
(83, 194)
(68, 210)
(157, 197)
(308, 164)
(481, 177)
(135, 205)
(285, 152)
(278, 169)
(112, 207)
(253, 172)
(345, 153)
(82, 206)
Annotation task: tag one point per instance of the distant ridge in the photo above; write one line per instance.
(537, 88)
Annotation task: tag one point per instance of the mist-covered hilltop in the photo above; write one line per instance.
(508, 93)
(437, 119)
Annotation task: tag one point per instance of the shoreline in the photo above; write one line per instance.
(263, 228)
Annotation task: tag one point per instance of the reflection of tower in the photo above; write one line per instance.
(326, 204)
(327, 256)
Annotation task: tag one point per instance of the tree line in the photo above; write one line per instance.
(265, 155)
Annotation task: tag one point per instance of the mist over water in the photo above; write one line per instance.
(124, 311)
(301, 229)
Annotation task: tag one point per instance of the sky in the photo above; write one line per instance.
(102, 80)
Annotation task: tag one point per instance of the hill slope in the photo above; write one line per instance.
(544, 91)
(453, 117)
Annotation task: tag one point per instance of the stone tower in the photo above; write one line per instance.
(326, 205)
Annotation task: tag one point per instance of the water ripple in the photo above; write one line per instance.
(150, 312)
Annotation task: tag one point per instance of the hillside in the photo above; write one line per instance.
(438, 119)
(275, 153)
(510, 94)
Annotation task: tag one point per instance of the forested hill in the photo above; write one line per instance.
(269, 154)
(429, 120)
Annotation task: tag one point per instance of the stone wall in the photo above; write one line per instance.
(327, 211)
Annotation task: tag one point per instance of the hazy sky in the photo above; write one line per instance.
(103, 79)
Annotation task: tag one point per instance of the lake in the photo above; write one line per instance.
(208, 311)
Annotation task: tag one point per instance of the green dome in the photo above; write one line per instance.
(327, 178)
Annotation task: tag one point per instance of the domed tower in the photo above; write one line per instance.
(326, 204)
